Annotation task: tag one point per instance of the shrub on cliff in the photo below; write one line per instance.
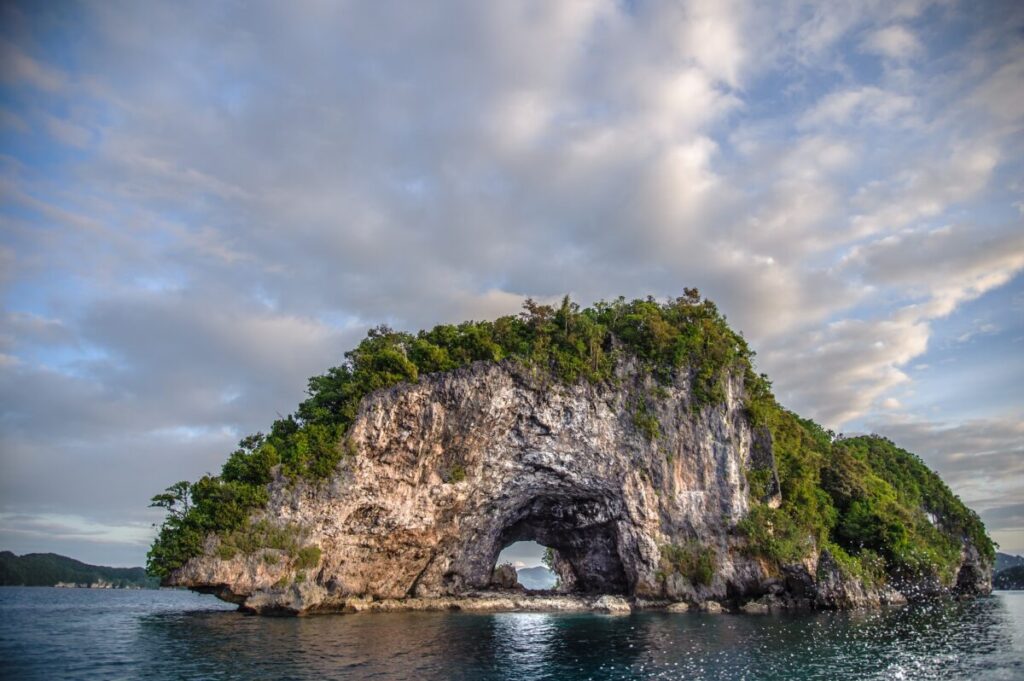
(692, 560)
(196, 510)
(865, 498)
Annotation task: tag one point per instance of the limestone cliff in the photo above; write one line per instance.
(637, 486)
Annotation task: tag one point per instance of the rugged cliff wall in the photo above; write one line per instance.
(637, 487)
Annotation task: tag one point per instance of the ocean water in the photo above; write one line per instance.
(83, 634)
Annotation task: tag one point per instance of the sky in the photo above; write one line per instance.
(202, 204)
(522, 554)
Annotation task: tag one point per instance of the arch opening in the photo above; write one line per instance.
(533, 563)
(583, 536)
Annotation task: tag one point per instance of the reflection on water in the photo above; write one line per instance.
(78, 634)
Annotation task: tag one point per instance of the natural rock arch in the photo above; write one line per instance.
(440, 475)
(584, 533)
(446, 472)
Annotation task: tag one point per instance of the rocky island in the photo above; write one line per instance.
(634, 439)
(51, 569)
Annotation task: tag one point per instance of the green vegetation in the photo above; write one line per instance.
(309, 557)
(270, 540)
(645, 420)
(759, 480)
(548, 559)
(209, 505)
(868, 566)
(802, 521)
(868, 502)
(877, 508)
(47, 569)
(692, 560)
(252, 537)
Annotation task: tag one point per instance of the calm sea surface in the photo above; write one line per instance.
(83, 634)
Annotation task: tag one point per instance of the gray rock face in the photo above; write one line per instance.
(445, 473)
(505, 577)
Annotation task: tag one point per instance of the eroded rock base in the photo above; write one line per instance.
(518, 601)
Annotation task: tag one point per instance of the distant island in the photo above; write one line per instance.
(51, 569)
(1005, 561)
(537, 578)
(1009, 572)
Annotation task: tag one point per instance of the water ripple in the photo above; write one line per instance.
(82, 634)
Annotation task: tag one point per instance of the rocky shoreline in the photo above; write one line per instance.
(521, 601)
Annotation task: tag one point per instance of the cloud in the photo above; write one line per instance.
(713, 39)
(996, 92)
(26, 327)
(839, 372)
(20, 68)
(67, 132)
(818, 27)
(923, 190)
(945, 266)
(842, 371)
(1010, 517)
(893, 42)
(979, 451)
(868, 104)
(982, 329)
(58, 526)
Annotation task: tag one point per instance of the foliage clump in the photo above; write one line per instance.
(692, 560)
(759, 481)
(646, 421)
(308, 557)
(878, 509)
(456, 473)
(252, 537)
(196, 510)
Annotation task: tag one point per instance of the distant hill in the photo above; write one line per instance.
(1010, 578)
(50, 569)
(1005, 561)
(537, 578)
